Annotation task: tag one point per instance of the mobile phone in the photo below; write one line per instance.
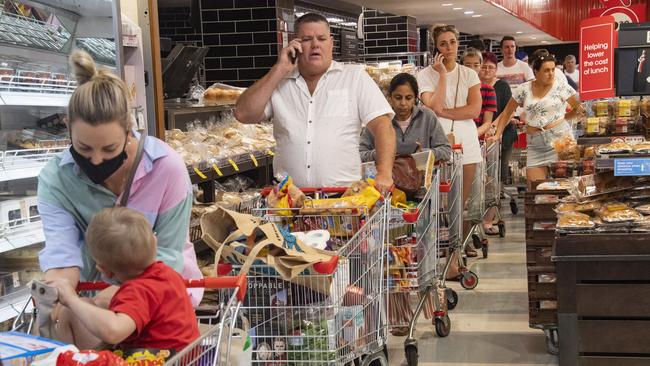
(294, 57)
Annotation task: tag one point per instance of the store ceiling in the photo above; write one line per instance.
(493, 22)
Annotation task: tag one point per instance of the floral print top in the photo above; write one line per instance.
(548, 109)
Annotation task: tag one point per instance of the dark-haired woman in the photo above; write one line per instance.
(543, 100)
(414, 126)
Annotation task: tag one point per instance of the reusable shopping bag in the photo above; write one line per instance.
(245, 240)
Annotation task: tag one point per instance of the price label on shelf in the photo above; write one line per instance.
(254, 160)
(631, 167)
(216, 169)
(200, 173)
(234, 165)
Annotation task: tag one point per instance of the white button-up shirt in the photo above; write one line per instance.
(318, 135)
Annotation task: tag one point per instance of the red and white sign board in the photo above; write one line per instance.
(622, 13)
(598, 39)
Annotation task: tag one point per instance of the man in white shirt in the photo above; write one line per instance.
(319, 107)
(512, 71)
(570, 69)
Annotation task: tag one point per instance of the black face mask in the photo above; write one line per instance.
(100, 172)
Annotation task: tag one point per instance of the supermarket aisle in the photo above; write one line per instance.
(490, 324)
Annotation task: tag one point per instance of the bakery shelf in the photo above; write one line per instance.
(599, 140)
(22, 31)
(21, 234)
(36, 89)
(11, 305)
(607, 163)
(244, 163)
(22, 164)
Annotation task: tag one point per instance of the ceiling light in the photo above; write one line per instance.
(533, 37)
(457, 9)
(447, 4)
(477, 16)
(519, 32)
(469, 12)
(544, 41)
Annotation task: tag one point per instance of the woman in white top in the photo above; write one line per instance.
(544, 100)
(453, 92)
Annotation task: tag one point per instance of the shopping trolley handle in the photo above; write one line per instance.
(458, 147)
(240, 282)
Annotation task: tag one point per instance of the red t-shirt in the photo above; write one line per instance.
(158, 303)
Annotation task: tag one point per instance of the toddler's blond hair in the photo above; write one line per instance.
(121, 240)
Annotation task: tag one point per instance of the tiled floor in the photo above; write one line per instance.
(490, 323)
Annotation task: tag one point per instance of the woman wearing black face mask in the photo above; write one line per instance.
(94, 174)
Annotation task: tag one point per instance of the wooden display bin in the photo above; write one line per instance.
(603, 288)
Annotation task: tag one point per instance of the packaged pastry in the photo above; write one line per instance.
(641, 148)
(565, 207)
(560, 184)
(644, 107)
(572, 220)
(593, 124)
(545, 199)
(588, 206)
(644, 209)
(615, 148)
(618, 212)
(590, 152)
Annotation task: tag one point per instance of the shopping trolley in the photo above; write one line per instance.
(476, 207)
(451, 225)
(208, 348)
(493, 186)
(413, 267)
(323, 316)
(517, 173)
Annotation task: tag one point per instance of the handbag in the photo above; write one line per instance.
(406, 175)
(451, 137)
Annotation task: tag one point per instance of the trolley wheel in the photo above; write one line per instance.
(411, 353)
(452, 298)
(443, 325)
(502, 229)
(476, 241)
(513, 206)
(552, 341)
(469, 280)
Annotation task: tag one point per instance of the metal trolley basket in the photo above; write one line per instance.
(451, 225)
(323, 316)
(414, 267)
(213, 346)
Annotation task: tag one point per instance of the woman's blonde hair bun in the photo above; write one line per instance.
(83, 66)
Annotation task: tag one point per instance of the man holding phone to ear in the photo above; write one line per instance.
(319, 107)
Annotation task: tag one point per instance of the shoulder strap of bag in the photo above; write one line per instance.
(456, 96)
(136, 162)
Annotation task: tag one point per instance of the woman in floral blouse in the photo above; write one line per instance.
(544, 100)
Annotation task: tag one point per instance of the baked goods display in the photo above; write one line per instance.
(222, 93)
(383, 72)
(36, 139)
(614, 116)
(572, 220)
(614, 148)
(214, 141)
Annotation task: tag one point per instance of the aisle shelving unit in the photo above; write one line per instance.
(35, 83)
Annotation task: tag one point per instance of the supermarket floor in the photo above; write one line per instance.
(490, 323)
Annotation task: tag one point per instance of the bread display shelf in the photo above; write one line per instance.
(22, 164)
(11, 305)
(229, 166)
(22, 236)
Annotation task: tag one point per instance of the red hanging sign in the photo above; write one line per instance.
(598, 40)
(621, 13)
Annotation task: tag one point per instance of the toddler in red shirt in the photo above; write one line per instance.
(151, 308)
